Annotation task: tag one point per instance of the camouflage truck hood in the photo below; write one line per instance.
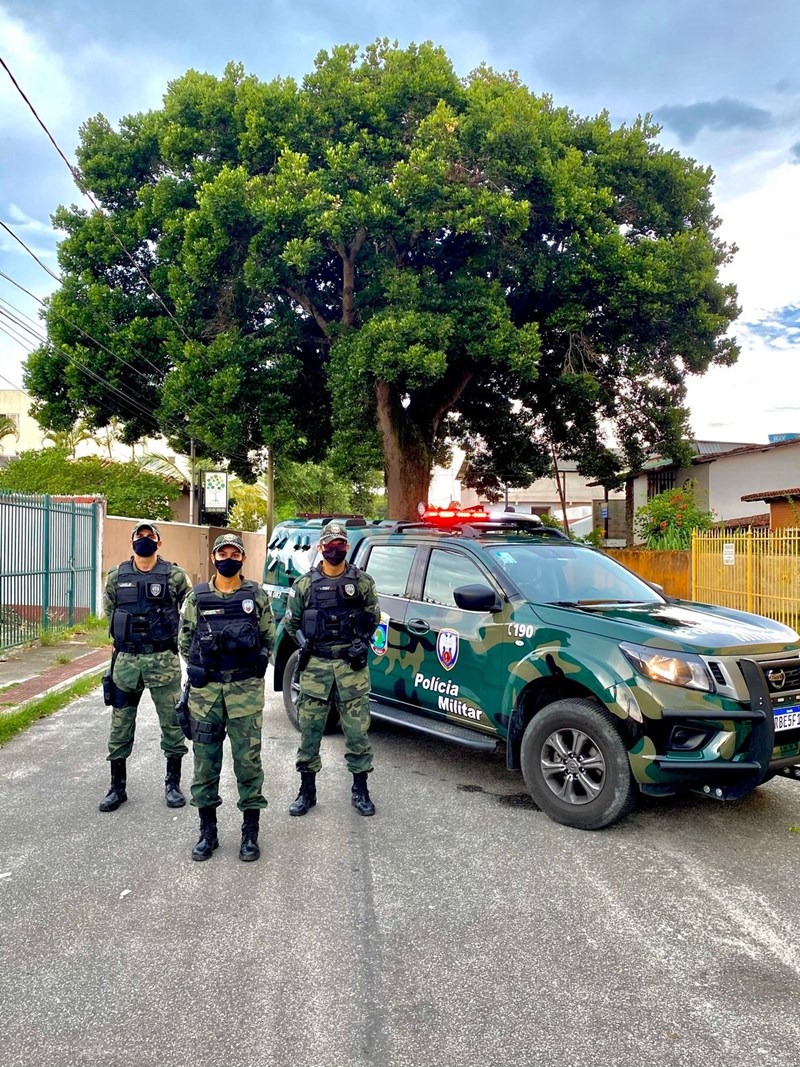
(682, 626)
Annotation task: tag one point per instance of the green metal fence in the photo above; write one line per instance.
(49, 563)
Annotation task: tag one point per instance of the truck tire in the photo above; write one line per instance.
(291, 693)
(575, 765)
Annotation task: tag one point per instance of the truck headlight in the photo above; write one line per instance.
(671, 667)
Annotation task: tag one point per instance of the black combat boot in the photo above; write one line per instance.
(250, 850)
(307, 797)
(361, 800)
(116, 794)
(208, 835)
(172, 783)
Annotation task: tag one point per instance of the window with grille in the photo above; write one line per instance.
(659, 481)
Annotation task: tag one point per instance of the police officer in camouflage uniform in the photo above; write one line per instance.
(331, 613)
(227, 635)
(142, 600)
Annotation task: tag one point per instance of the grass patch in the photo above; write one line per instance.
(48, 638)
(63, 657)
(13, 722)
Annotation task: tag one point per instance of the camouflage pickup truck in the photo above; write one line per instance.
(598, 686)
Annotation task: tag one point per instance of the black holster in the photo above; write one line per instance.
(355, 655)
(113, 696)
(182, 712)
(205, 732)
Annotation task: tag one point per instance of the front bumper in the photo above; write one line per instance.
(721, 778)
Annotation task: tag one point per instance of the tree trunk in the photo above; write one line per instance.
(561, 491)
(408, 458)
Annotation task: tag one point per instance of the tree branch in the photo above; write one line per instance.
(310, 308)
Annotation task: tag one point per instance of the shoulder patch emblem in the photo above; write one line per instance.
(379, 642)
(350, 589)
(291, 592)
(447, 648)
(248, 606)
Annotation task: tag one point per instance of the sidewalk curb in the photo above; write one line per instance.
(98, 668)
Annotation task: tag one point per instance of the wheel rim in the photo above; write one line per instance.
(573, 766)
(294, 688)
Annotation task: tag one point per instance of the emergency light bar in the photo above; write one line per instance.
(452, 515)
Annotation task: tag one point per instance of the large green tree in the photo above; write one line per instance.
(394, 258)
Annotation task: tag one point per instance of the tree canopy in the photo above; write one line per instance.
(386, 258)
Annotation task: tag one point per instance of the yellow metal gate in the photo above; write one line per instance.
(749, 570)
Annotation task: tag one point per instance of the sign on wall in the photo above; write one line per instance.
(216, 483)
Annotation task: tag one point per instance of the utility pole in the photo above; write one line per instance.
(191, 480)
(270, 493)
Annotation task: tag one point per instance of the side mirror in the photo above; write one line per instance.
(658, 588)
(477, 598)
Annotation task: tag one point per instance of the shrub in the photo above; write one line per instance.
(666, 521)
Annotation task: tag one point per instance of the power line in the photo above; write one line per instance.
(29, 251)
(109, 324)
(81, 185)
(132, 404)
(9, 333)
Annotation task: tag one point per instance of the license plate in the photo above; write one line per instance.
(787, 718)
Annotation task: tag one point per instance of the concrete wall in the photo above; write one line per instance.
(188, 546)
(671, 570)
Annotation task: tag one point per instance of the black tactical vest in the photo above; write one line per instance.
(338, 603)
(145, 615)
(226, 639)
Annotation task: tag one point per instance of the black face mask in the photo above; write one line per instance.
(334, 554)
(145, 546)
(228, 568)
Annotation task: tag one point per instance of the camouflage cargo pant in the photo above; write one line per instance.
(332, 683)
(160, 673)
(244, 732)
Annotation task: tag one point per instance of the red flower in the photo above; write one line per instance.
(664, 524)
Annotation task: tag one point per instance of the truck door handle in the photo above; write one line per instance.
(418, 626)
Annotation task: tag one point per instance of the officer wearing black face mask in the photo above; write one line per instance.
(331, 613)
(227, 634)
(143, 596)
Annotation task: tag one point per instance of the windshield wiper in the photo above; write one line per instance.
(595, 603)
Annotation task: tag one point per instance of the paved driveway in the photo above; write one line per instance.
(458, 927)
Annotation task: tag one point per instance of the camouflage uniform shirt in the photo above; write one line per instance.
(243, 697)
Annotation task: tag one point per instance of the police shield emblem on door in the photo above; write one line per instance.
(447, 648)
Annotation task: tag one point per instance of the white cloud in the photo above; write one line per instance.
(765, 224)
(41, 74)
(758, 396)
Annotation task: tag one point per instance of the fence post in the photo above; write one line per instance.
(749, 577)
(46, 565)
(693, 566)
(93, 580)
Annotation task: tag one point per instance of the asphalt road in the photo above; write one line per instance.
(459, 926)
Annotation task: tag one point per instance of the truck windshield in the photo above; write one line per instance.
(570, 574)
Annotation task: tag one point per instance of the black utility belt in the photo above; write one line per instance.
(230, 676)
(328, 653)
(146, 649)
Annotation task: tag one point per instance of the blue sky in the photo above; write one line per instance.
(721, 76)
